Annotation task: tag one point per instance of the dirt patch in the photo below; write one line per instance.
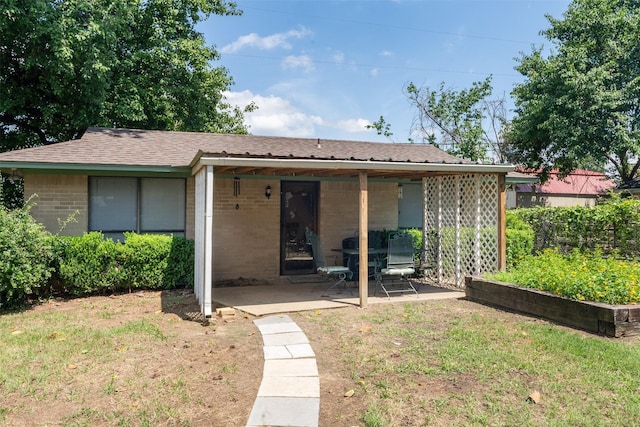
(198, 373)
(149, 358)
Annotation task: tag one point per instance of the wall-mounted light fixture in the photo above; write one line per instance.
(399, 191)
(267, 192)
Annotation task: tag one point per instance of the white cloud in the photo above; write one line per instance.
(278, 40)
(354, 125)
(386, 53)
(303, 62)
(374, 72)
(275, 116)
(338, 57)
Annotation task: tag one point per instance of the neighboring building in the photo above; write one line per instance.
(632, 188)
(580, 188)
(247, 200)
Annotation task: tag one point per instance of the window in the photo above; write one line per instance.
(143, 205)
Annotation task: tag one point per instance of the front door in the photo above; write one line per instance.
(298, 213)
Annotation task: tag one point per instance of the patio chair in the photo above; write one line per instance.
(337, 272)
(396, 275)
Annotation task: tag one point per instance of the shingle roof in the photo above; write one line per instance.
(630, 185)
(126, 147)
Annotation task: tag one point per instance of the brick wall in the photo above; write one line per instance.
(58, 197)
(246, 236)
(339, 210)
(247, 226)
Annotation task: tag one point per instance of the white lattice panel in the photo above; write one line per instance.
(461, 225)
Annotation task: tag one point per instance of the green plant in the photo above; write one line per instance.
(519, 239)
(578, 275)
(90, 263)
(26, 254)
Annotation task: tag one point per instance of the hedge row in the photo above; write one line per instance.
(35, 263)
(612, 226)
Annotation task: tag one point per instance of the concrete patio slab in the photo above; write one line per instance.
(292, 297)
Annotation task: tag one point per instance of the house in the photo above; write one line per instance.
(632, 188)
(579, 188)
(247, 200)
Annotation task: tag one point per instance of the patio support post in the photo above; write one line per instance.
(203, 262)
(363, 280)
(502, 222)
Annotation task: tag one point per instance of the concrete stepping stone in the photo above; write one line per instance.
(289, 394)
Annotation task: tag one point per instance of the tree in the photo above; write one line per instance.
(581, 103)
(451, 120)
(463, 123)
(67, 65)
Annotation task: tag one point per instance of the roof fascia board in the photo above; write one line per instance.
(349, 164)
(73, 168)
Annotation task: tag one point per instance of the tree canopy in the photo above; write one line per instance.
(67, 65)
(464, 123)
(581, 102)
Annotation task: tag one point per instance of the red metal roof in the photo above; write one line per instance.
(579, 182)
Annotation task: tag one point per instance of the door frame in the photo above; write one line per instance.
(287, 267)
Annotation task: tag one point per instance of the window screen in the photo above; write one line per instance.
(162, 207)
(143, 205)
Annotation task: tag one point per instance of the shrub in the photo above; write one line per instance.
(578, 275)
(158, 261)
(613, 225)
(519, 239)
(93, 264)
(90, 264)
(26, 253)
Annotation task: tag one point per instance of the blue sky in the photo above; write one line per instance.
(325, 69)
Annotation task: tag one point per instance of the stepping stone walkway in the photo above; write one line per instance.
(289, 394)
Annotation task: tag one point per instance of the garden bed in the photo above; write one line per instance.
(610, 320)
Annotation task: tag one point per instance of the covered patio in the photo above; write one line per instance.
(463, 215)
(285, 297)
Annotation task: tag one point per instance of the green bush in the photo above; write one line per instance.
(26, 254)
(93, 264)
(519, 239)
(612, 226)
(578, 275)
(158, 261)
(90, 264)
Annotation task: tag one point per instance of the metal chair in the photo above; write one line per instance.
(339, 272)
(399, 268)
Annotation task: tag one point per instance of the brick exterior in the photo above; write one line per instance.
(246, 230)
(56, 198)
(246, 227)
(339, 206)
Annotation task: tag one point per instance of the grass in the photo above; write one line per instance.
(123, 362)
(429, 363)
(424, 364)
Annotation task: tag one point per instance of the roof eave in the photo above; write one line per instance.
(205, 160)
(81, 168)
